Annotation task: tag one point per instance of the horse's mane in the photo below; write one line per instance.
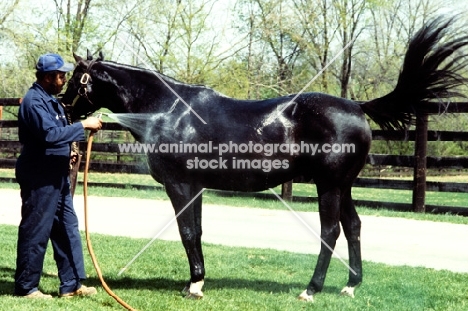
(157, 75)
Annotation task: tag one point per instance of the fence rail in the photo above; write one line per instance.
(12, 147)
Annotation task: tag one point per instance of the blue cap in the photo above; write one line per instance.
(53, 62)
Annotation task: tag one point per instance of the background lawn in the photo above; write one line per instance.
(237, 279)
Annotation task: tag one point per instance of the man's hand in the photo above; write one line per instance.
(92, 123)
(73, 157)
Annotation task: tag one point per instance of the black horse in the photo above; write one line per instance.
(256, 145)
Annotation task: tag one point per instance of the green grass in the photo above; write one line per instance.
(237, 279)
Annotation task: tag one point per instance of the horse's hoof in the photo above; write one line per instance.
(194, 296)
(186, 289)
(306, 297)
(194, 291)
(348, 291)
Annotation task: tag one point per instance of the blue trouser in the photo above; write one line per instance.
(47, 213)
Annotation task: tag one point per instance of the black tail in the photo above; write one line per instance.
(431, 71)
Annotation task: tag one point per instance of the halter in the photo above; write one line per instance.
(83, 90)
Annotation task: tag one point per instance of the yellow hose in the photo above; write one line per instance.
(88, 240)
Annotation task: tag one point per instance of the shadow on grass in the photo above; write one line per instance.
(171, 285)
(7, 283)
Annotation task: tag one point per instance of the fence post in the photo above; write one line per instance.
(286, 191)
(420, 164)
(1, 118)
(286, 188)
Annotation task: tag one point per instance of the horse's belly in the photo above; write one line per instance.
(224, 173)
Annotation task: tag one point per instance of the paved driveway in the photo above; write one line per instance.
(393, 241)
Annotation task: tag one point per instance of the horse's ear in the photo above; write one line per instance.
(89, 55)
(77, 58)
(101, 56)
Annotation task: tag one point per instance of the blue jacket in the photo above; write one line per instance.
(43, 129)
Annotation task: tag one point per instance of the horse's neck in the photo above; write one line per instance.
(130, 97)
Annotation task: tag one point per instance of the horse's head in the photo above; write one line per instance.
(79, 96)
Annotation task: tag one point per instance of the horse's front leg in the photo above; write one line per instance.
(329, 210)
(190, 229)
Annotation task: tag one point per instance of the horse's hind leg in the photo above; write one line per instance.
(190, 229)
(329, 210)
(352, 228)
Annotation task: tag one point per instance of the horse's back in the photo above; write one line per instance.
(271, 141)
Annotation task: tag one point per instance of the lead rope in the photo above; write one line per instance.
(88, 240)
(74, 145)
(75, 149)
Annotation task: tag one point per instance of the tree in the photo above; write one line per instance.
(331, 28)
(11, 72)
(272, 23)
(178, 39)
(349, 16)
(261, 67)
(319, 33)
(71, 26)
(6, 10)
